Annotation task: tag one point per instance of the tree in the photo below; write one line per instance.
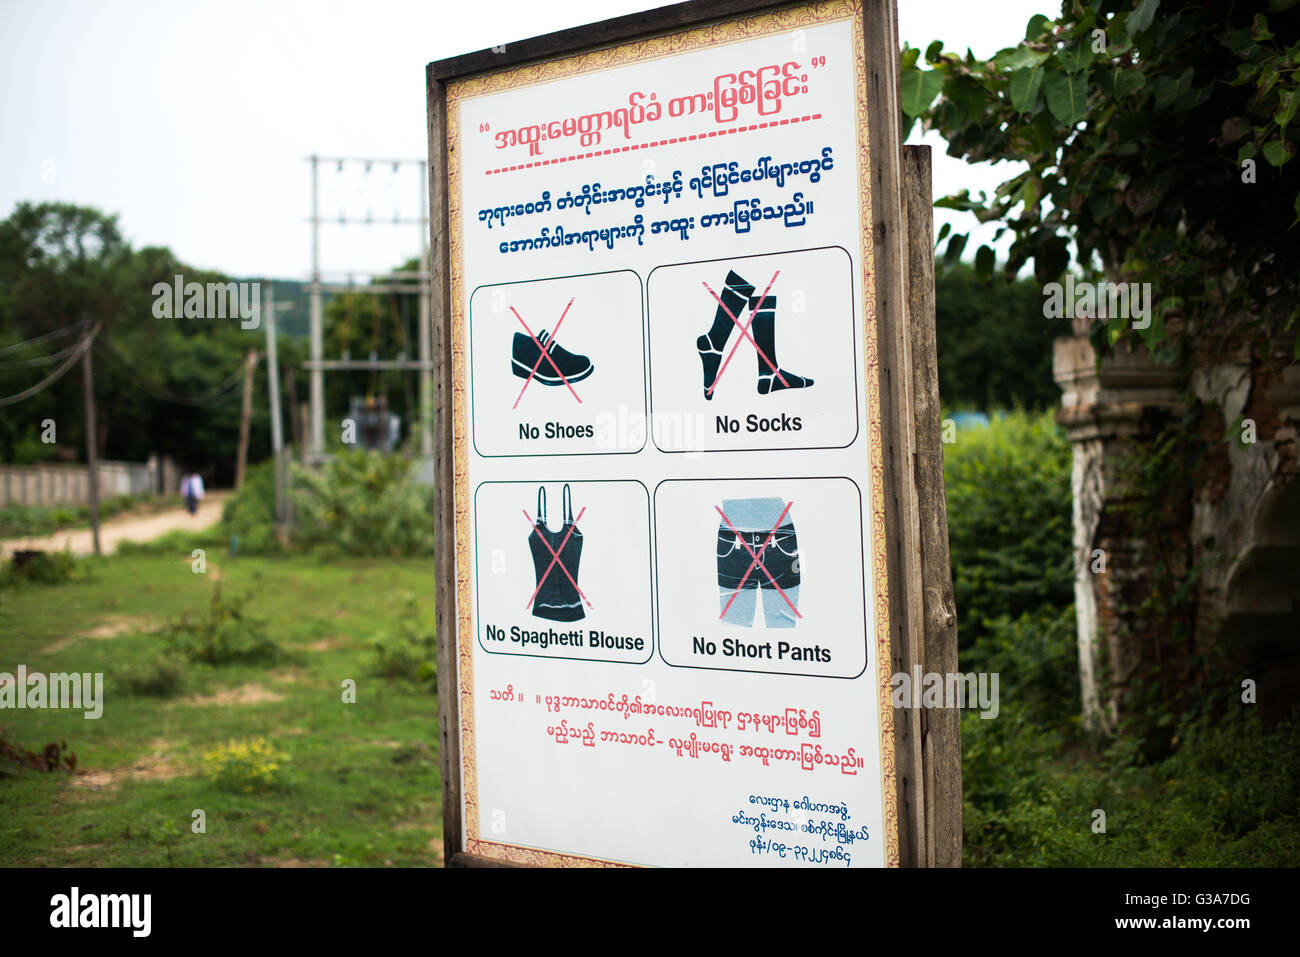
(1160, 142)
(995, 345)
(60, 264)
(159, 382)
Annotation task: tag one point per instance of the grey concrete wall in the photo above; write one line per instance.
(46, 484)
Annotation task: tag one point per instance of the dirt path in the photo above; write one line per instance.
(123, 528)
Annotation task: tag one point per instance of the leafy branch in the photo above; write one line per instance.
(1158, 138)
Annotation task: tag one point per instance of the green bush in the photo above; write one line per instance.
(30, 520)
(1228, 797)
(363, 503)
(63, 515)
(1008, 494)
(1036, 658)
(250, 512)
(161, 678)
(1240, 774)
(245, 766)
(40, 568)
(222, 635)
(409, 652)
(360, 503)
(23, 520)
(28, 449)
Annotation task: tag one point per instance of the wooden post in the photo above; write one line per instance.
(92, 441)
(902, 518)
(241, 462)
(444, 470)
(940, 728)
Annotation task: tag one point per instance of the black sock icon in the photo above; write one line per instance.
(737, 295)
(764, 329)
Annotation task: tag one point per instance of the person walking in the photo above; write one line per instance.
(192, 491)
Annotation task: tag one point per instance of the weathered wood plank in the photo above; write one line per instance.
(941, 734)
(444, 473)
(902, 521)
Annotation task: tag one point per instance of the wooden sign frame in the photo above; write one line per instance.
(922, 773)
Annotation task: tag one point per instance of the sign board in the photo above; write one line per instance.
(666, 615)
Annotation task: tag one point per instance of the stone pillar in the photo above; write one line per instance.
(1105, 410)
(1246, 525)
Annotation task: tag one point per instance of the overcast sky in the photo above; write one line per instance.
(191, 120)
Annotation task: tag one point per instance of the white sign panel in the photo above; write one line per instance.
(667, 434)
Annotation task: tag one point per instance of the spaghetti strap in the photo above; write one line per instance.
(566, 501)
(541, 504)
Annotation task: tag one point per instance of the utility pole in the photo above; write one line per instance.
(242, 462)
(316, 379)
(273, 387)
(297, 434)
(418, 280)
(92, 440)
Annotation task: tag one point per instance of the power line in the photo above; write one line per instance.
(40, 360)
(49, 335)
(221, 392)
(212, 397)
(57, 374)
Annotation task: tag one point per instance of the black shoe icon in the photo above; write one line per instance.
(572, 368)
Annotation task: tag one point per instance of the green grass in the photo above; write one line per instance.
(361, 786)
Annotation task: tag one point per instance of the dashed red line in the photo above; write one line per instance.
(654, 143)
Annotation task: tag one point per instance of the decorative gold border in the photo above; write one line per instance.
(875, 453)
(730, 31)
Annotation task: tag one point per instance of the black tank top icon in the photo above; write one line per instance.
(557, 597)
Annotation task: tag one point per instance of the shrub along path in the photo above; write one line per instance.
(126, 528)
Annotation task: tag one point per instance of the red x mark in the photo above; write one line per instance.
(756, 555)
(555, 558)
(744, 334)
(544, 354)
